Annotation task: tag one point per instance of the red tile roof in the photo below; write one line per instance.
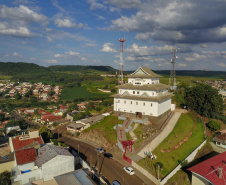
(209, 169)
(18, 144)
(25, 156)
(50, 117)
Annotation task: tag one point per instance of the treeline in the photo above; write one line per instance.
(83, 69)
(197, 73)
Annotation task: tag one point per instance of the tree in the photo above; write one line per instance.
(45, 133)
(204, 99)
(5, 178)
(2, 117)
(213, 126)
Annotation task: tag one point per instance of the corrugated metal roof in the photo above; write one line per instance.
(78, 177)
(48, 152)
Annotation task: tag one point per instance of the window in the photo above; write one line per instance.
(120, 91)
(136, 103)
(144, 104)
(151, 104)
(124, 102)
(138, 92)
(131, 102)
(118, 101)
(152, 94)
(133, 92)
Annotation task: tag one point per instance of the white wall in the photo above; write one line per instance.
(58, 165)
(125, 106)
(28, 166)
(145, 80)
(164, 106)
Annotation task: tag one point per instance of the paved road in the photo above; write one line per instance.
(109, 168)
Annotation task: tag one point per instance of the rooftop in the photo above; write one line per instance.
(154, 87)
(210, 169)
(25, 156)
(18, 144)
(48, 152)
(143, 72)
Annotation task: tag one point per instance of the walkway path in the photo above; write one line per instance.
(134, 137)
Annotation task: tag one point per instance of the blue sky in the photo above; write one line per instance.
(86, 32)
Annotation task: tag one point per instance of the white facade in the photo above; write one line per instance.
(143, 95)
(58, 165)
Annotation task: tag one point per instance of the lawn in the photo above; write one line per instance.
(171, 160)
(105, 127)
(79, 92)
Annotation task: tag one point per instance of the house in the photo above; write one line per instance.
(54, 161)
(58, 113)
(32, 139)
(220, 140)
(50, 118)
(7, 162)
(77, 127)
(8, 129)
(81, 106)
(76, 177)
(210, 171)
(25, 170)
(144, 97)
(63, 108)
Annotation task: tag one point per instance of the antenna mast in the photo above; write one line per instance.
(172, 81)
(120, 75)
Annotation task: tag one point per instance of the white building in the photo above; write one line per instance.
(143, 96)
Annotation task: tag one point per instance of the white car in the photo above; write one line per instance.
(101, 150)
(129, 170)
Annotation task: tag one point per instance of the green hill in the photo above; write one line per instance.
(83, 69)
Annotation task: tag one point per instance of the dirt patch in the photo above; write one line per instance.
(97, 138)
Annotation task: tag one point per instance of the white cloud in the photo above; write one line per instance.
(32, 58)
(70, 55)
(95, 5)
(182, 65)
(17, 55)
(126, 4)
(64, 23)
(20, 32)
(107, 47)
(56, 4)
(49, 39)
(222, 64)
(51, 61)
(22, 15)
(96, 61)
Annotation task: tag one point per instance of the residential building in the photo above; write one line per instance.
(54, 161)
(210, 171)
(7, 162)
(144, 97)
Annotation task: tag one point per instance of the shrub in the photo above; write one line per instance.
(214, 126)
(158, 164)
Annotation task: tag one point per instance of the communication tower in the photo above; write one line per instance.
(172, 80)
(120, 75)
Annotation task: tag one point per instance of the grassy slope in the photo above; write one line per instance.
(170, 160)
(105, 127)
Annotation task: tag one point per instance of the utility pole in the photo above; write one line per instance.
(78, 149)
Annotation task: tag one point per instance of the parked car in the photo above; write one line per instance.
(108, 155)
(115, 183)
(101, 150)
(129, 170)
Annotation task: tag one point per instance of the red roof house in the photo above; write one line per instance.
(25, 156)
(21, 143)
(210, 171)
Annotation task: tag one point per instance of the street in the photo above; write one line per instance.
(109, 168)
